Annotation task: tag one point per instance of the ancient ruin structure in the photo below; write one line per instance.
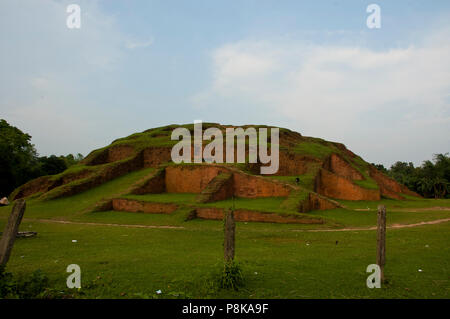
(313, 174)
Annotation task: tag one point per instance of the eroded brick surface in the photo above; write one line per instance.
(334, 186)
(129, 205)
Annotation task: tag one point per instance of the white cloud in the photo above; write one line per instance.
(351, 94)
(242, 60)
(135, 44)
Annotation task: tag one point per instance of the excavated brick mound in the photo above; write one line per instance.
(334, 172)
(195, 178)
(332, 185)
(214, 183)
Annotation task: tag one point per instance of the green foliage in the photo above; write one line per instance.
(431, 179)
(51, 165)
(19, 161)
(380, 167)
(6, 283)
(24, 287)
(231, 276)
(71, 159)
(33, 286)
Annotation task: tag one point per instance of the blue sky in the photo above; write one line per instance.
(311, 66)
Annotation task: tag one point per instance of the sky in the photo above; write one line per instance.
(311, 66)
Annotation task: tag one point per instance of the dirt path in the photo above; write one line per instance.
(102, 224)
(402, 209)
(393, 226)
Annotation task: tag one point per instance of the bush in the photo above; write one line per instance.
(27, 288)
(22, 287)
(6, 282)
(231, 276)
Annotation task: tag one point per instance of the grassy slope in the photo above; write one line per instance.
(66, 207)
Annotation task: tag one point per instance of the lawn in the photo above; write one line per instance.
(119, 262)
(278, 260)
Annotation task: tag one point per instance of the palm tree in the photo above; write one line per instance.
(440, 187)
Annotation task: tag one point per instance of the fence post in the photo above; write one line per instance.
(10, 233)
(381, 239)
(229, 229)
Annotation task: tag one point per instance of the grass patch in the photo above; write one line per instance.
(344, 218)
(366, 183)
(306, 180)
(128, 262)
(315, 148)
(293, 202)
(392, 203)
(267, 204)
(176, 198)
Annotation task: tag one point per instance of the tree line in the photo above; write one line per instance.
(431, 179)
(20, 162)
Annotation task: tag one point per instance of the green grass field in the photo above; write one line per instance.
(278, 260)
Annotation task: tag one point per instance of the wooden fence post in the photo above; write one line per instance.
(381, 239)
(9, 235)
(230, 229)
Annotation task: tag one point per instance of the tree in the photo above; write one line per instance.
(19, 161)
(404, 173)
(442, 164)
(18, 158)
(380, 167)
(71, 159)
(431, 179)
(52, 165)
(434, 176)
